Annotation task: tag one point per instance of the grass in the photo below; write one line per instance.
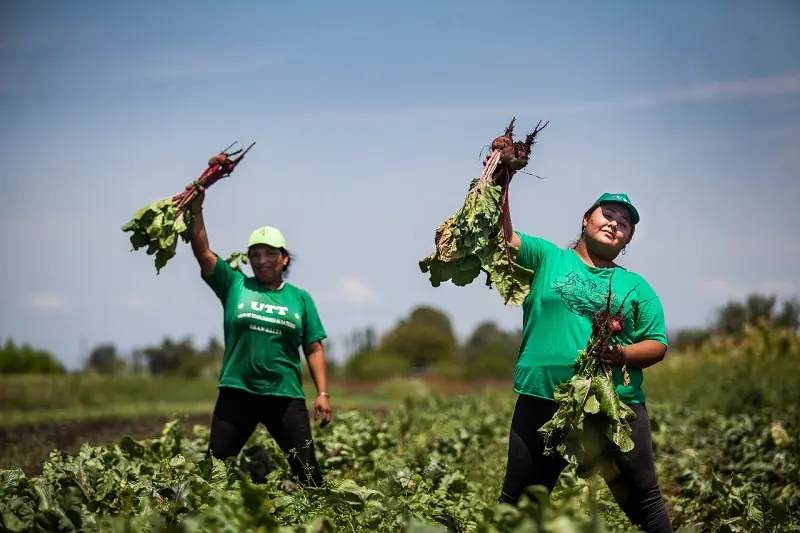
(757, 369)
(75, 397)
(753, 371)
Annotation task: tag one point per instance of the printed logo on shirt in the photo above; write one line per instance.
(586, 297)
(269, 314)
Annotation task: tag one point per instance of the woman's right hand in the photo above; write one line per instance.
(197, 202)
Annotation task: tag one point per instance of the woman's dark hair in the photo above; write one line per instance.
(290, 256)
(587, 214)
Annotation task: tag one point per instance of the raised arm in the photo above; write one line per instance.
(508, 228)
(505, 215)
(199, 238)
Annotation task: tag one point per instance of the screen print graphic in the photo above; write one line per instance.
(595, 300)
(269, 316)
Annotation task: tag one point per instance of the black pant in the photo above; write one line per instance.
(635, 488)
(236, 415)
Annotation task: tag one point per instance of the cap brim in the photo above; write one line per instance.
(632, 210)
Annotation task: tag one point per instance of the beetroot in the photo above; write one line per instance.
(159, 224)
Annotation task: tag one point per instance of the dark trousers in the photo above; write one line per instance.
(635, 487)
(236, 415)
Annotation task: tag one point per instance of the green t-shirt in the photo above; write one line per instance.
(557, 317)
(264, 331)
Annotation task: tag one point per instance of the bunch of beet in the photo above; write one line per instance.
(158, 226)
(509, 156)
(219, 166)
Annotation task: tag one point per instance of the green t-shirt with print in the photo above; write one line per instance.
(264, 331)
(557, 317)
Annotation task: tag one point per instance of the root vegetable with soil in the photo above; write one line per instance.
(473, 239)
(592, 424)
(160, 224)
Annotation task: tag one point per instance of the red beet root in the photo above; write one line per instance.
(219, 166)
(514, 155)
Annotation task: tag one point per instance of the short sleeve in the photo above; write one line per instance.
(650, 323)
(532, 250)
(313, 330)
(222, 279)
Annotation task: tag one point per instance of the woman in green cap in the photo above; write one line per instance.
(266, 321)
(569, 286)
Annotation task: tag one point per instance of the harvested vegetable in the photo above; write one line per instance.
(160, 224)
(591, 422)
(473, 239)
(237, 259)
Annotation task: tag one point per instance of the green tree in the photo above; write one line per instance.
(24, 359)
(103, 359)
(491, 352)
(789, 317)
(181, 358)
(756, 308)
(425, 337)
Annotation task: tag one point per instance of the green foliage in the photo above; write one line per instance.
(738, 473)
(237, 259)
(376, 365)
(424, 337)
(589, 415)
(158, 226)
(433, 463)
(471, 241)
(734, 317)
(753, 370)
(27, 360)
(757, 308)
(104, 360)
(490, 352)
(78, 391)
(181, 358)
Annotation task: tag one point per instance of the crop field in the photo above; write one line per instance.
(412, 458)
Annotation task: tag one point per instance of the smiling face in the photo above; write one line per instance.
(268, 263)
(607, 230)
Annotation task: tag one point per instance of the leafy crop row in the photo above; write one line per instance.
(431, 464)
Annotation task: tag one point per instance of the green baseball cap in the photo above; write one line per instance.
(269, 236)
(618, 198)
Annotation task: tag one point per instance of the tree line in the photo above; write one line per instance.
(423, 341)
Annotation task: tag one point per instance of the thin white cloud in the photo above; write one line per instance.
(715, 91)
(27, 70)
(137, 301)
(353, 290)
(47, 302)
(737, 291)
(189, 68)
(710, 91)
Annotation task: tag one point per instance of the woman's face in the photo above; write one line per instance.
(609, 228)
(267, 262)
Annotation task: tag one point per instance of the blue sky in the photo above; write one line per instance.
(369, 120)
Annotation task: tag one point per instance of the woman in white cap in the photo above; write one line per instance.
(568, 288)
(266, 321)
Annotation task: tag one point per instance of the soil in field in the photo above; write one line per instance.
(27, 446)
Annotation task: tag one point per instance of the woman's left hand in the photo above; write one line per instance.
(322, 410)
(615, 355)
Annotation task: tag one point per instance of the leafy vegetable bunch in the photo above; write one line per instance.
(592, 424)
(158, 225)
(473, 239)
